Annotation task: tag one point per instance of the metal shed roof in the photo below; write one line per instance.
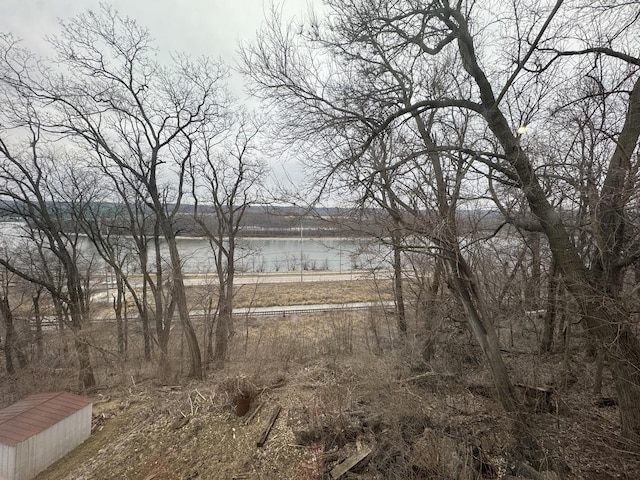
(36, 413)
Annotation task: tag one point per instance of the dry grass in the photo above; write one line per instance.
(301, 293)
(345, 381)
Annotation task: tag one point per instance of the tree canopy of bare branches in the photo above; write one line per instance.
(550, 94)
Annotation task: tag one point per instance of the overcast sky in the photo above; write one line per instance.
(197, 27)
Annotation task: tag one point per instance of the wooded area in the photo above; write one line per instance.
(420, 108)
(493, 147)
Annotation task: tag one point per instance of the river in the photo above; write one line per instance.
(254, 255)
(257, 255)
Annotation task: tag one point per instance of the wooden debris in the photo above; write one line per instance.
(538, 399)
(279, 384)
(425, 375)
(102, 400)
(97, 422)
(253, 414)
(265, 433)
(342, 468)
(605, 402)
(171, 388)
(97, 388)
(180, 422)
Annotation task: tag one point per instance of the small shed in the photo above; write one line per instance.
(39, 429)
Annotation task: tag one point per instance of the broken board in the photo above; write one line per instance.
(265, 433)
(349, 463)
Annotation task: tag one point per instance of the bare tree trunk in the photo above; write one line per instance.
(86, 377)
(467, 293)
(549, 319)
(142, 304)
(38, 319)
(225, 268)
(603, 314)
(117, 308)
(429, 309)
(462, 279)
(532, 289)
(77, 305)
(210, 321)
(623, 357)
(146, 333)
(222, 336)
(60, 313)
(163, 327)
(223, 325)
(142, 307)
(398, 287)
(597, 380)
(85, 374)
(9, 338)
(163, 315)
(180, 296)
(636, 278)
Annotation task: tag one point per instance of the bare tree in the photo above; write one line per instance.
(11, 344)
(152, 299)
(34, 187)
(137, 118)
(226, 181)
(102, 224)
(408, 180)
(428, 58)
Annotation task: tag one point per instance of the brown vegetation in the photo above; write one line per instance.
(310, 293)
(345, 382)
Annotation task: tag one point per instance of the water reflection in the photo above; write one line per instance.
(254, 255)
(285, 255)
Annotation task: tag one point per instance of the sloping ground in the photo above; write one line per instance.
(345, 384)
(429, 425)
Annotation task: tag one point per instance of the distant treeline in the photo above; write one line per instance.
(261, 220)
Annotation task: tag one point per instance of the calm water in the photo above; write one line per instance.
(253, 254)
(285, 255)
